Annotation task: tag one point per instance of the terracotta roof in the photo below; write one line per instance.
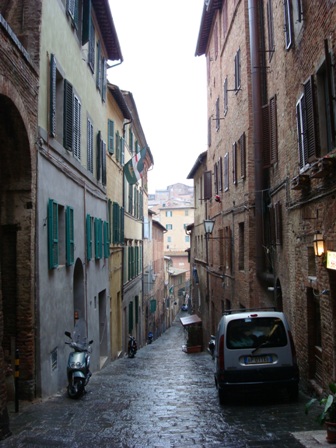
(208, 14)
(106, 24)
(119, 98)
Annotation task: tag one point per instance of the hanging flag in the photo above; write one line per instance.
(133, 168)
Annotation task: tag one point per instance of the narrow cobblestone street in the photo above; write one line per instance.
(162, 398)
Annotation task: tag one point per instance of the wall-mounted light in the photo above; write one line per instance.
(318, 244)
(208, 226)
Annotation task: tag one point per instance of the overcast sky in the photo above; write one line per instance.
(158, 41)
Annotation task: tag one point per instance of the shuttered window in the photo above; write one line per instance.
(99, 156)
(226, 99)
(98, 233)
(115, 223)
(242, 150)
(52, 95)
(103, 150)
(207, 184)
(273, 130)
(52, 234)
(110, 136)
(89, 146)
(69, 235)
(278, 223)
(237, 70)
(305, 118)
(77, 128)
(234, 163)
(106, 240)
(68, 116)
(288, 23)
(88, 238)
(270, 26)
(99, 68)
(226, 172)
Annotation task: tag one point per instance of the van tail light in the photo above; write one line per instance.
(221, 353)
(292, 347)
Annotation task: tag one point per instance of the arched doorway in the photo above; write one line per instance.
(17, 245)
(78, 289)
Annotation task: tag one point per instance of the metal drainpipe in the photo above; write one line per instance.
(253, 6)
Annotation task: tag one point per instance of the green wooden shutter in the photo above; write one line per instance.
(115, 239)
(153, 306)
(117, 144)
(98, 238)
(52, 96)
(69, 234)
(122, 225)
(106, 240)
(52, 234)
(88, 238)
(98, 155)
(110, 137)
(68, 115)
(103, 150)
(104, 79)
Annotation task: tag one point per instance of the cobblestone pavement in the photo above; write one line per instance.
(162, 398)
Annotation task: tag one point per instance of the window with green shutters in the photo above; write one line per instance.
(69, 235)
(117, 146)
(110, 136)
(103, 150)
(52, 234)
(98, 232)
(88, 238)
(106, 240)
(152, 306)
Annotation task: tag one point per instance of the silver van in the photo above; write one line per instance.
(255, 348)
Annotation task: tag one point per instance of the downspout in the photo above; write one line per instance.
(264, 277)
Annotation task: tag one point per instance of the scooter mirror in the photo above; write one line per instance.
(67, 333)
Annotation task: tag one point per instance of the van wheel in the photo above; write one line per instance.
(221, 396)
(293, 392)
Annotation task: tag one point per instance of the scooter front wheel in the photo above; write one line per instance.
(77, 389)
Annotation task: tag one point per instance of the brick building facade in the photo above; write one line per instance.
(18, 112)
(270, 168)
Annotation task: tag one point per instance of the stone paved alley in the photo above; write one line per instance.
(162, 398)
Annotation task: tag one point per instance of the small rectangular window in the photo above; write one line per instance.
(288, 24)
(237, 63)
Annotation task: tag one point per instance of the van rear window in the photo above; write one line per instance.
(256, 332)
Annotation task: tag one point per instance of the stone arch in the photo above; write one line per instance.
(17, 242)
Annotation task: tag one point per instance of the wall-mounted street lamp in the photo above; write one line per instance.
(208, 226)
(318, 244)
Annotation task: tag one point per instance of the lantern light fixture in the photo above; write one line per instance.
(208, 226)
(318, 242)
